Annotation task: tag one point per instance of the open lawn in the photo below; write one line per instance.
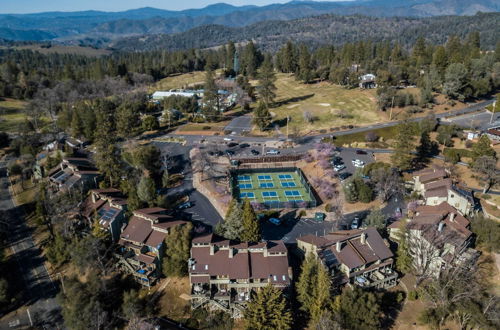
(11, 114)
(329, 105)
(172, 303)
(179, 81)
(203, 127)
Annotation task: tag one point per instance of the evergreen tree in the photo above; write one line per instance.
(76, 125)
(251, 226)
(456, 82)
(375, 219)
(483, 148)
(425, 148)
(146, 190)
(313, 288)
(107, 155)
(404, 145)
(267, 79)
(350, 191)
(211, 106)
(231, 50)
(232, 226)
(177, 246)
(127, 121)
(359, 309)
(261, 116)
(305, 66)
(250, 60)
(268, 310)
(132, 305)
(403, 258)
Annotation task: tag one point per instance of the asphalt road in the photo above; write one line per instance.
(178, 162)
(39, 290)
(240, 124)
(478, 120)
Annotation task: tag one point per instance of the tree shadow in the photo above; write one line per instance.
(292, 100)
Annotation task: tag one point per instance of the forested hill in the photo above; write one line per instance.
(325, 29)
(97, 24)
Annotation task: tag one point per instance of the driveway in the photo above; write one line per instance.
(38, 288)
(481, 120)
(240, 124)
(177, 161)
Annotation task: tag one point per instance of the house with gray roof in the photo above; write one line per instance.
(356, 257)
(141, 243)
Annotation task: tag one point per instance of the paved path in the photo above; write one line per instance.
(240, 124)
(39, 290)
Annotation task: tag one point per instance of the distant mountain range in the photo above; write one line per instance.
(145, 21)
(324, 29)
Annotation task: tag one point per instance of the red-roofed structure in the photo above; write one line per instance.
(223, 273)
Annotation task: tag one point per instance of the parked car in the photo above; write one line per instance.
(244, 145)
(275, 221)
(219, 153)
(360, 152)
(344, 175)
(338, 168)
(232, 144)
(355, 223)
(229, 152)
(254, 152)
(272, 152)
(228, 139)
(337, 161)
(185, 205)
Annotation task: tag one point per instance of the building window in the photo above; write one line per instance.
(275, 278)
(284, 277)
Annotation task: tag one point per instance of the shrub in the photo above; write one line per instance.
(328, 207)
(15, 169)
(322, 131)
(371, 137)
(302, 213)
(469, 144)
(206, 127)
(412, 295)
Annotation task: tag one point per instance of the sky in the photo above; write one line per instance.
(35, 6)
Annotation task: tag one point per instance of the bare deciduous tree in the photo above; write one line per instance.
(388, 183)
(486, 166)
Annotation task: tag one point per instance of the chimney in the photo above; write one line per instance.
(440, 226)
(452, 217)
(363, 238)
(338, 246)
(231, 252)
(212, 249)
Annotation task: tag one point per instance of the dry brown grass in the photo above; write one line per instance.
(171, 303)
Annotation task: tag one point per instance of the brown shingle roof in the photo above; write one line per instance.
(137, 230)
(155, 239)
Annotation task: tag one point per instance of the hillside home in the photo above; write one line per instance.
(357, 257)
(106, 208)
(71, 173)
(223, 273)
(435, 187)
(493, 134)
(367, 81)
(439, 235)
(142, 243)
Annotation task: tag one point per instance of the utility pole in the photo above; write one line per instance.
(287, 120)
(392, 106)
(493, 112)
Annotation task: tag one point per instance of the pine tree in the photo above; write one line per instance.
(375, 219)
(146, 190)
(108, 156)
(251, 226)
(424, 150)
(305, 72)
(268, 310)
(261, 116)
(177, 247)
(313, 287)
(359, 309)
(76, 125)
(127, 121)
(232, 226)
(250, 60)
(211, 105)
(266, 82)
(404, 145)
(483, 148)
(403, 257)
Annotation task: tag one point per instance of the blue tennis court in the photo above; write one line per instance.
(269, 194)
(264, 177)
(247, 195)
(246, 186)
(292, 193)
(266, 185)
(289, 184)
(285, 177)
(243, 178)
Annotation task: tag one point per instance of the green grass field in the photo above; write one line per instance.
(179, 81)
(11, 114)
(269, 188)
(329, 105)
